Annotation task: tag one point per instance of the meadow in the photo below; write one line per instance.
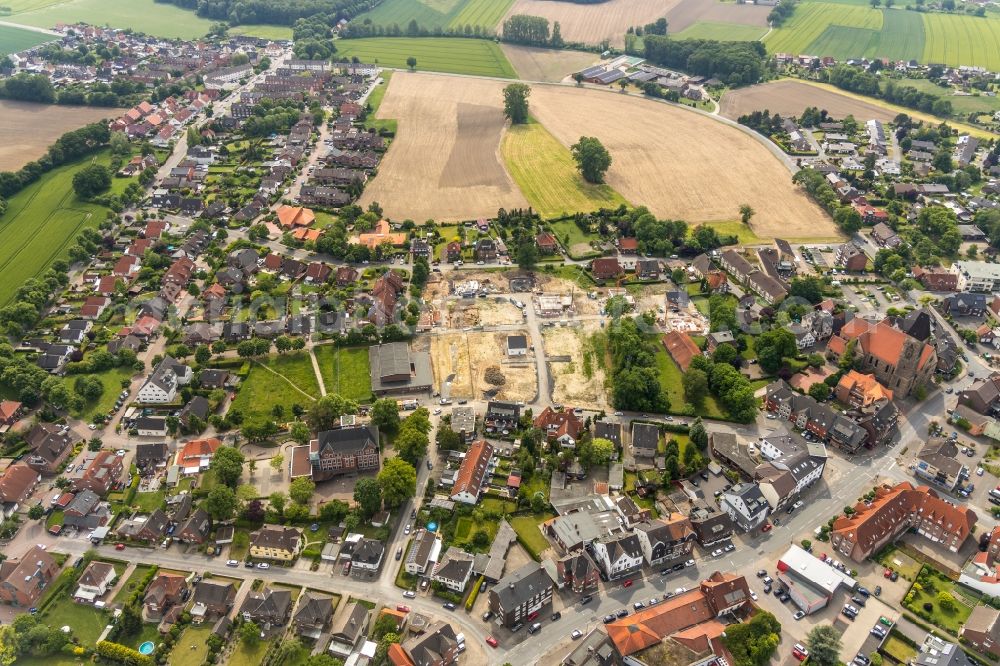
(432, 14)
(854, 30)
(263, 31)
(962, 104)
(154, 18)
(40, 224)
(437, 54)
(544, 170)
(284, 380)
(14, 39)
(345, 371)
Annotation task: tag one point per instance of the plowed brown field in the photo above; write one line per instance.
(28, 129)
(790, 98)
(689, 12)
(680, 164)
(592, 24)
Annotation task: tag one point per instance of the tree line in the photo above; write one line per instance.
(277, 12)
(855, 79)
(782, 12)
(635, 380)
(735, 63)
(26, 87)
(67, 148)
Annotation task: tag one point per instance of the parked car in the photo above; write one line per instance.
(449, 606)
(576, 634)
(622, 612)
(402, 608)
(119, 546)
(586, 599)
(556, 616)
(409, 594)
(492, 642)
(689, 563)
(263, 565)
(638, 605)
(730, 548)
(717, 552)
(799, 615)
(487, 616)
(232, 563)
(877, 591)
(627, 583)
(608, 619)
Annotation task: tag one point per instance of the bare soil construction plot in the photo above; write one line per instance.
(580, 380)
(680, 164)
(28, 129)
(467, 359)
(592, 24)
(792, 98)
(445, 162)
(534, 64)
(688, 12)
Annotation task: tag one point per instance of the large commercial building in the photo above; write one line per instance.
(811, 582)
(396, 369)
(521, 595)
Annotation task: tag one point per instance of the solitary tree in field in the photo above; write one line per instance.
(411, 62)
(515, 103)
(623, 84)
(746, 212)
(592, 158)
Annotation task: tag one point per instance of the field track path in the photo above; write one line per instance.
(319, 375)
(767, 143)
(287, 380)
(31, 28)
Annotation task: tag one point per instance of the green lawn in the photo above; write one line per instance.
(40, 224)
(435, 54)
(743, 233)
(240, 546)
(545, 171)
(133, 580)
(13, 40)
(345, 371)
(243, 654)
(576, 240)
(725, 32)
(149, 502)
(295, 383)
(431, 14)
(527, 528)
(112, 381)
(154, 18)
(931, 584)
(86, 621)
(670, 380)
(899, 649)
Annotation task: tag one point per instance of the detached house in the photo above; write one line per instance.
(94, 582)
(166, 591)
(102, 474)
(474, 473)
(982, 630)
(49, 445)
(23, 579)
(268, 608)
(312, 614)
(275, 542)
(161, 386)
(562, 427)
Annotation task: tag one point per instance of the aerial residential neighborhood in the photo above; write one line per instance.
(404, 333)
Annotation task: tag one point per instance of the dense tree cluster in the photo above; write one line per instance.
(278, 12)
(635, 379)
(735, 63)
(91, 180)
(753, 643)
(782, 12)
(730, 388)
(819, 188)
(525, 29)
(861, 81)
(38, 88)
(762, 122)
(366, 28)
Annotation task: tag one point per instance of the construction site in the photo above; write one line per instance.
(475, 365)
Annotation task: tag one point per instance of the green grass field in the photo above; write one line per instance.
(736, 228)
(849, 29)
(112, 381)
(963, 104)
(14, 39)
(87, 622)
(726, 32)
(263, 389)
(345, 371)
(275, 32)
(544, 170)
(154, 18)
(40, 224)
(439, 13)
(670, 380)
(435, 54)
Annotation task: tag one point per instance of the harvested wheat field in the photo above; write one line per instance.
(467, 365)
(688, 12)
(790, 98)
(680, 164)
(534, 64)
(576, 365)
(594, 23)
(445, 161)
(29, 129)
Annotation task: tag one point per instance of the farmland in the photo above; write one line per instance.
(535, 64)
(852, 30)
(708, 178)
(437, 54)
(29, 129)
(14, 39)
(689, 13)
(544, 170)
(789, 97)
(444, 163)
(275, 32)
(595, 23)
(962, 104)
(726, 32)
(432, 14)
(154, 18)
(40, 224)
